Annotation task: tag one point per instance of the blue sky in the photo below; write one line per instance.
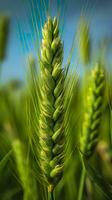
(99, 12)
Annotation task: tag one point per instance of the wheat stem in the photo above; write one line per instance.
(51, 195)
(82, 181)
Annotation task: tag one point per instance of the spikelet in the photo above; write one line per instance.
(27, 180)
(92, 117)
(52, 112)
(84, 42)
(4, 30)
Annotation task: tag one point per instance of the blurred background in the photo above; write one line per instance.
(21, 12)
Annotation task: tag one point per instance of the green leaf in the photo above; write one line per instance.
(10, 194)
(104, 186)
(4, 161)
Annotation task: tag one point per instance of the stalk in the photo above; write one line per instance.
(82, 181)
(51, 196)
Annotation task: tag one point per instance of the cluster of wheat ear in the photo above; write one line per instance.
(93, 113)
(92, 119)
(51, 124)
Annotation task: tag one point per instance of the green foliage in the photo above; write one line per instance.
(4, 161)
(27, 180)
(98, 179)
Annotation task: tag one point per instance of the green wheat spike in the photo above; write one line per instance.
(93, 113)
(52, 137)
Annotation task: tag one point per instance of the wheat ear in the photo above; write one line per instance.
(92, 119)
(51, 117)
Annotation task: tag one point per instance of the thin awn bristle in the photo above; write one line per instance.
(51, 117)
(93, 113)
